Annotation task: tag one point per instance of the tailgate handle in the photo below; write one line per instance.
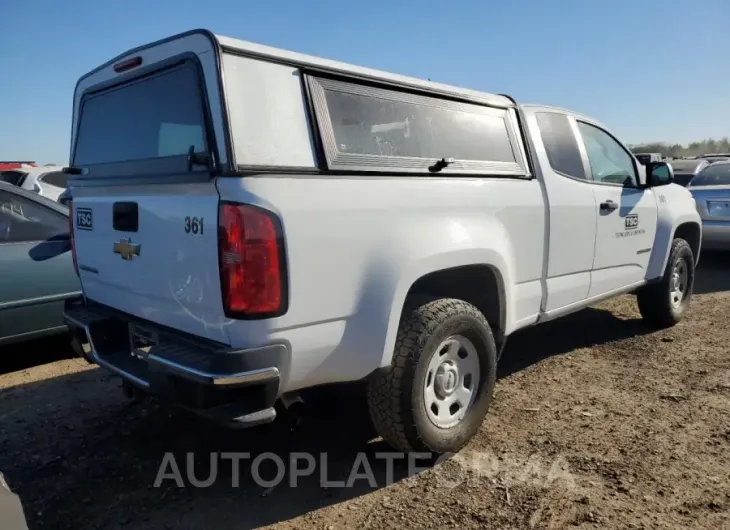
(125, 216)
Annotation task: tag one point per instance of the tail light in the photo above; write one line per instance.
(251, 261)
(71, 234)
(123, 66)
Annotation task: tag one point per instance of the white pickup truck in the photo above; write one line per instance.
(250, 222)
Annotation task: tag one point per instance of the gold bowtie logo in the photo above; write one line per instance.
(126, 249)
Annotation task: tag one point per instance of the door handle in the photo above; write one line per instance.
(608, 206)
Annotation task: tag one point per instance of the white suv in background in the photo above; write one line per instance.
(49, 181)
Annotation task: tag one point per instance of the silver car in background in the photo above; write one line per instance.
(711, 190)
(686, 170)
(715, 158)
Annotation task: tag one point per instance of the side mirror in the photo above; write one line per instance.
(659, 174)
(65, 197)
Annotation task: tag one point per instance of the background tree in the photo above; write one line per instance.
(677, 150)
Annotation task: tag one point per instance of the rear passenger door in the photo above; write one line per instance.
(572, 209)
(627, 214)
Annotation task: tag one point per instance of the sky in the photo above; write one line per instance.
(650, 70)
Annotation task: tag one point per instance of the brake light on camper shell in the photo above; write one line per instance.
(250, 257)
(127, 64)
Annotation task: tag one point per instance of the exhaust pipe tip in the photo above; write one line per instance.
(133, 393)
(295, 409)
(81, 349)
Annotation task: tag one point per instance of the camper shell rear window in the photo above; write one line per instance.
(155, 116)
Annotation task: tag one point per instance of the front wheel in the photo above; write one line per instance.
(664, 303)
(437, 390)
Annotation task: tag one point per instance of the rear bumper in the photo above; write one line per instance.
(235, 387)
(716, 235)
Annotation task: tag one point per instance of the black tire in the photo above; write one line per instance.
(655, 301)
(396, 394)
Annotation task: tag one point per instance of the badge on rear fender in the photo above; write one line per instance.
(84, 219)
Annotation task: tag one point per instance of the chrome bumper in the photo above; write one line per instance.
(194, 373)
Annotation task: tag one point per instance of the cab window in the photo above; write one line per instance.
(610, 162)
(560, 144)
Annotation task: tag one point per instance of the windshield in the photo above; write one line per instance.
(644, 159)
(156, 116)
(55, 178)
(715, 175)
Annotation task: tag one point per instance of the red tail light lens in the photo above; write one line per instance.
(71, 234)
(250, 261)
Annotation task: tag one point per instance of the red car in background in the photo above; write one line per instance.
(6, 165)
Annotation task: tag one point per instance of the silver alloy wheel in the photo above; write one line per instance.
(451, 381)
(678, 282)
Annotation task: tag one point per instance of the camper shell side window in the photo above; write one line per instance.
(368, 128)
(287, 117)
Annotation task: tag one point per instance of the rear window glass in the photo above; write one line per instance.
(715, 175)
(375, 129)
(644, 159)
(12, 177)
(683, 179)
(687, 166)
(55, 178)
(153, 117)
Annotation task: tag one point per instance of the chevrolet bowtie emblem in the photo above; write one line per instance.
(126, 249)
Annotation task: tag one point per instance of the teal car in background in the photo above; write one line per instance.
(36, 267)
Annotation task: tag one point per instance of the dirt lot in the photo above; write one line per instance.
(595, 423)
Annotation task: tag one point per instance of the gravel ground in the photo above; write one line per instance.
(595, 423)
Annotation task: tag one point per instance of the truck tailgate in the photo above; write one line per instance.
(152, 251)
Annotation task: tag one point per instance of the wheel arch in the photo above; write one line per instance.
(686, 227)
(485, 283)
(691, 232)
(461, 283)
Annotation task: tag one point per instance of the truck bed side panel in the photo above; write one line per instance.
(355, 246)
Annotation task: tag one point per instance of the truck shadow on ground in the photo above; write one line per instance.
(75, 450)
(16, 357)
(91, 448)
(73, 443)
(583, 329)
(713, 273)
(592, 326)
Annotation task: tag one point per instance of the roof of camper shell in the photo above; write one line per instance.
(300, 59)
(254, 50)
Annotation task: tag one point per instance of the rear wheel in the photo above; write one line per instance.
(437, 390)
(664, 303)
